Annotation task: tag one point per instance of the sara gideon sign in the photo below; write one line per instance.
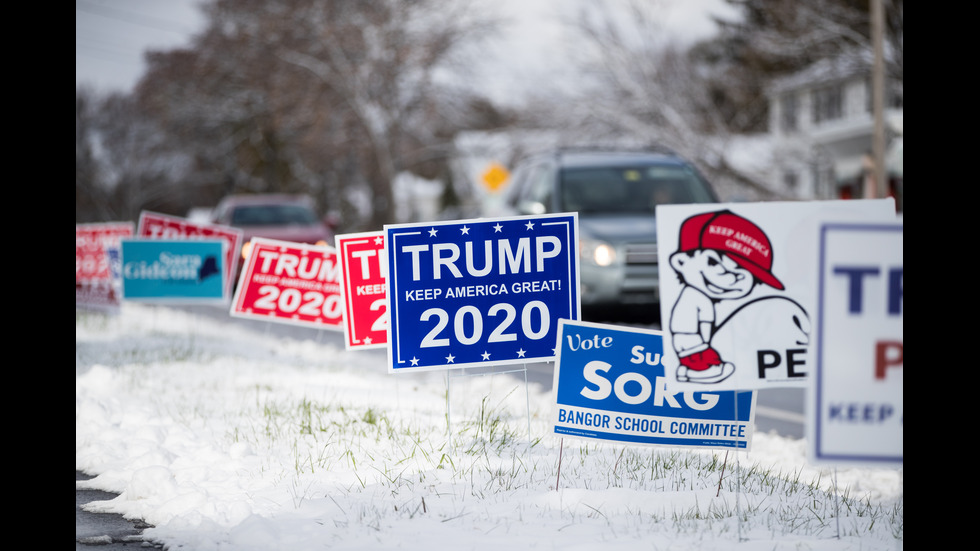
(153, 225)
(609, 385)
(178, 271)
(479, 292)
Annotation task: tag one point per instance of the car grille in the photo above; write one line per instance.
(641, 253)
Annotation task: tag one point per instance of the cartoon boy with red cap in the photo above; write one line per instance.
(722, 256)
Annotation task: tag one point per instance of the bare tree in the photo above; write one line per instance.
(771, 38)
(91, 202)
(640, 89)
(333, 98)
(124, 162)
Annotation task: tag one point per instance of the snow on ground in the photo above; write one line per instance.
(225, 435)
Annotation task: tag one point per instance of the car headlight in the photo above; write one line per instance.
(597, 252)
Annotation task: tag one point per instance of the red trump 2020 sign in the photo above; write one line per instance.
(290, 282)
(365, 274)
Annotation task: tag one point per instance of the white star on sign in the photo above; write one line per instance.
(497, 228)
(450, 358)
(465, 230)
(521, 352)
(367, 340)
(486, 355)
(432, 232)
(530, 225)
(379, 240)
(415, 361)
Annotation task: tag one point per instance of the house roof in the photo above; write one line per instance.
(844, 66)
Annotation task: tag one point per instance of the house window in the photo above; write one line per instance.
(869, 96)
(790, 180)
(828, 103)
(790, 107)
(816, 180)
(893, 97)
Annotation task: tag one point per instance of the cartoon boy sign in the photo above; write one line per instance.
(737, 289)
(722, 256)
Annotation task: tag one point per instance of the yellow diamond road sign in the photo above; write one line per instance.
(495, 176)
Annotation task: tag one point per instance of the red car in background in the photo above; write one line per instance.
(274, 216)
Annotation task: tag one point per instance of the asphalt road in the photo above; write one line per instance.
(105, 531)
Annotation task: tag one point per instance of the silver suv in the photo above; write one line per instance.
(615, 193)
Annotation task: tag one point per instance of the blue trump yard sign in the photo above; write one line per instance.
(855, 405)
(609, 385)
(179, 270)
(480, 292)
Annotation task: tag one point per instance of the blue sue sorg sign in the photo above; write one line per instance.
(480, 292)
(180, 271)
(609, 385)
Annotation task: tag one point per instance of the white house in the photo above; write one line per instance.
(822, 124)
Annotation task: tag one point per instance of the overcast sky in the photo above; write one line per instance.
(111, 35)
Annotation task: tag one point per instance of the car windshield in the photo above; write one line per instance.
(630, 190)
(272, 215)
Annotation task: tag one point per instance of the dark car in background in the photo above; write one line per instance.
(615, 193)
(283, 217)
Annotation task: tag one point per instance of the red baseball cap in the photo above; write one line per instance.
(737, 237)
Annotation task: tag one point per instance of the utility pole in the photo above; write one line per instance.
(878, 98)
